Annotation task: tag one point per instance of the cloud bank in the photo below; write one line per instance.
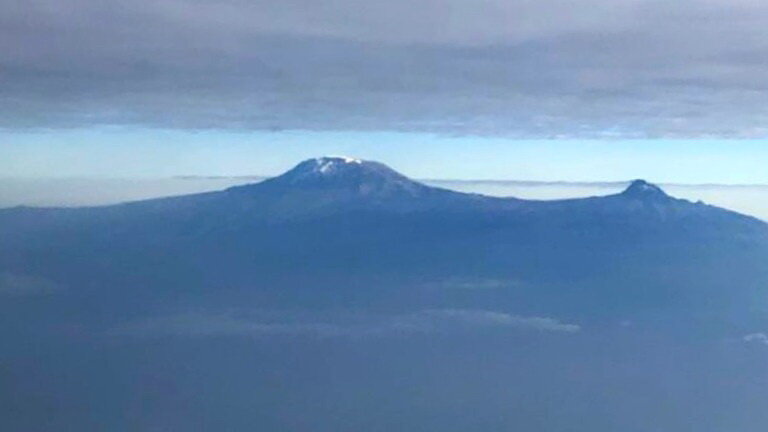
(263, 324)
(550, 68)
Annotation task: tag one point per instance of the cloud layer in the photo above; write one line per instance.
(261, 324)
(551, 68)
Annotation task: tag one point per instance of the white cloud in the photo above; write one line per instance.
(450, 319)
(257, 324)
(759, 338)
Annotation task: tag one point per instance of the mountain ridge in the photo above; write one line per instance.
(332, 184)
(340, 232)
(341, 180)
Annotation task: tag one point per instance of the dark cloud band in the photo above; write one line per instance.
(605, 69)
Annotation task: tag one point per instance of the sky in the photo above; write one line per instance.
(151, 153)
(590, 90)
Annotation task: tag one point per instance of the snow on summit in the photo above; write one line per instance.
(357, 176)
(327, 163)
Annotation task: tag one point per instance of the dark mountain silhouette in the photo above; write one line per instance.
(342, 294)
(338, 219)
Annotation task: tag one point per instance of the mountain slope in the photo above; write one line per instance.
(343, 296)
(345, 223)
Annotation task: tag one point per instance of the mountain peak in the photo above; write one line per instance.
(642, 189)
(327, 164)
(356, 177)
(338, 169)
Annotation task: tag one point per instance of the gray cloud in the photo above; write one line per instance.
(260, 324)
(599, 68)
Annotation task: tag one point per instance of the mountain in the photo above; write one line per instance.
(334, 219)
(353, 175)
(342, 295)
(341, 183)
